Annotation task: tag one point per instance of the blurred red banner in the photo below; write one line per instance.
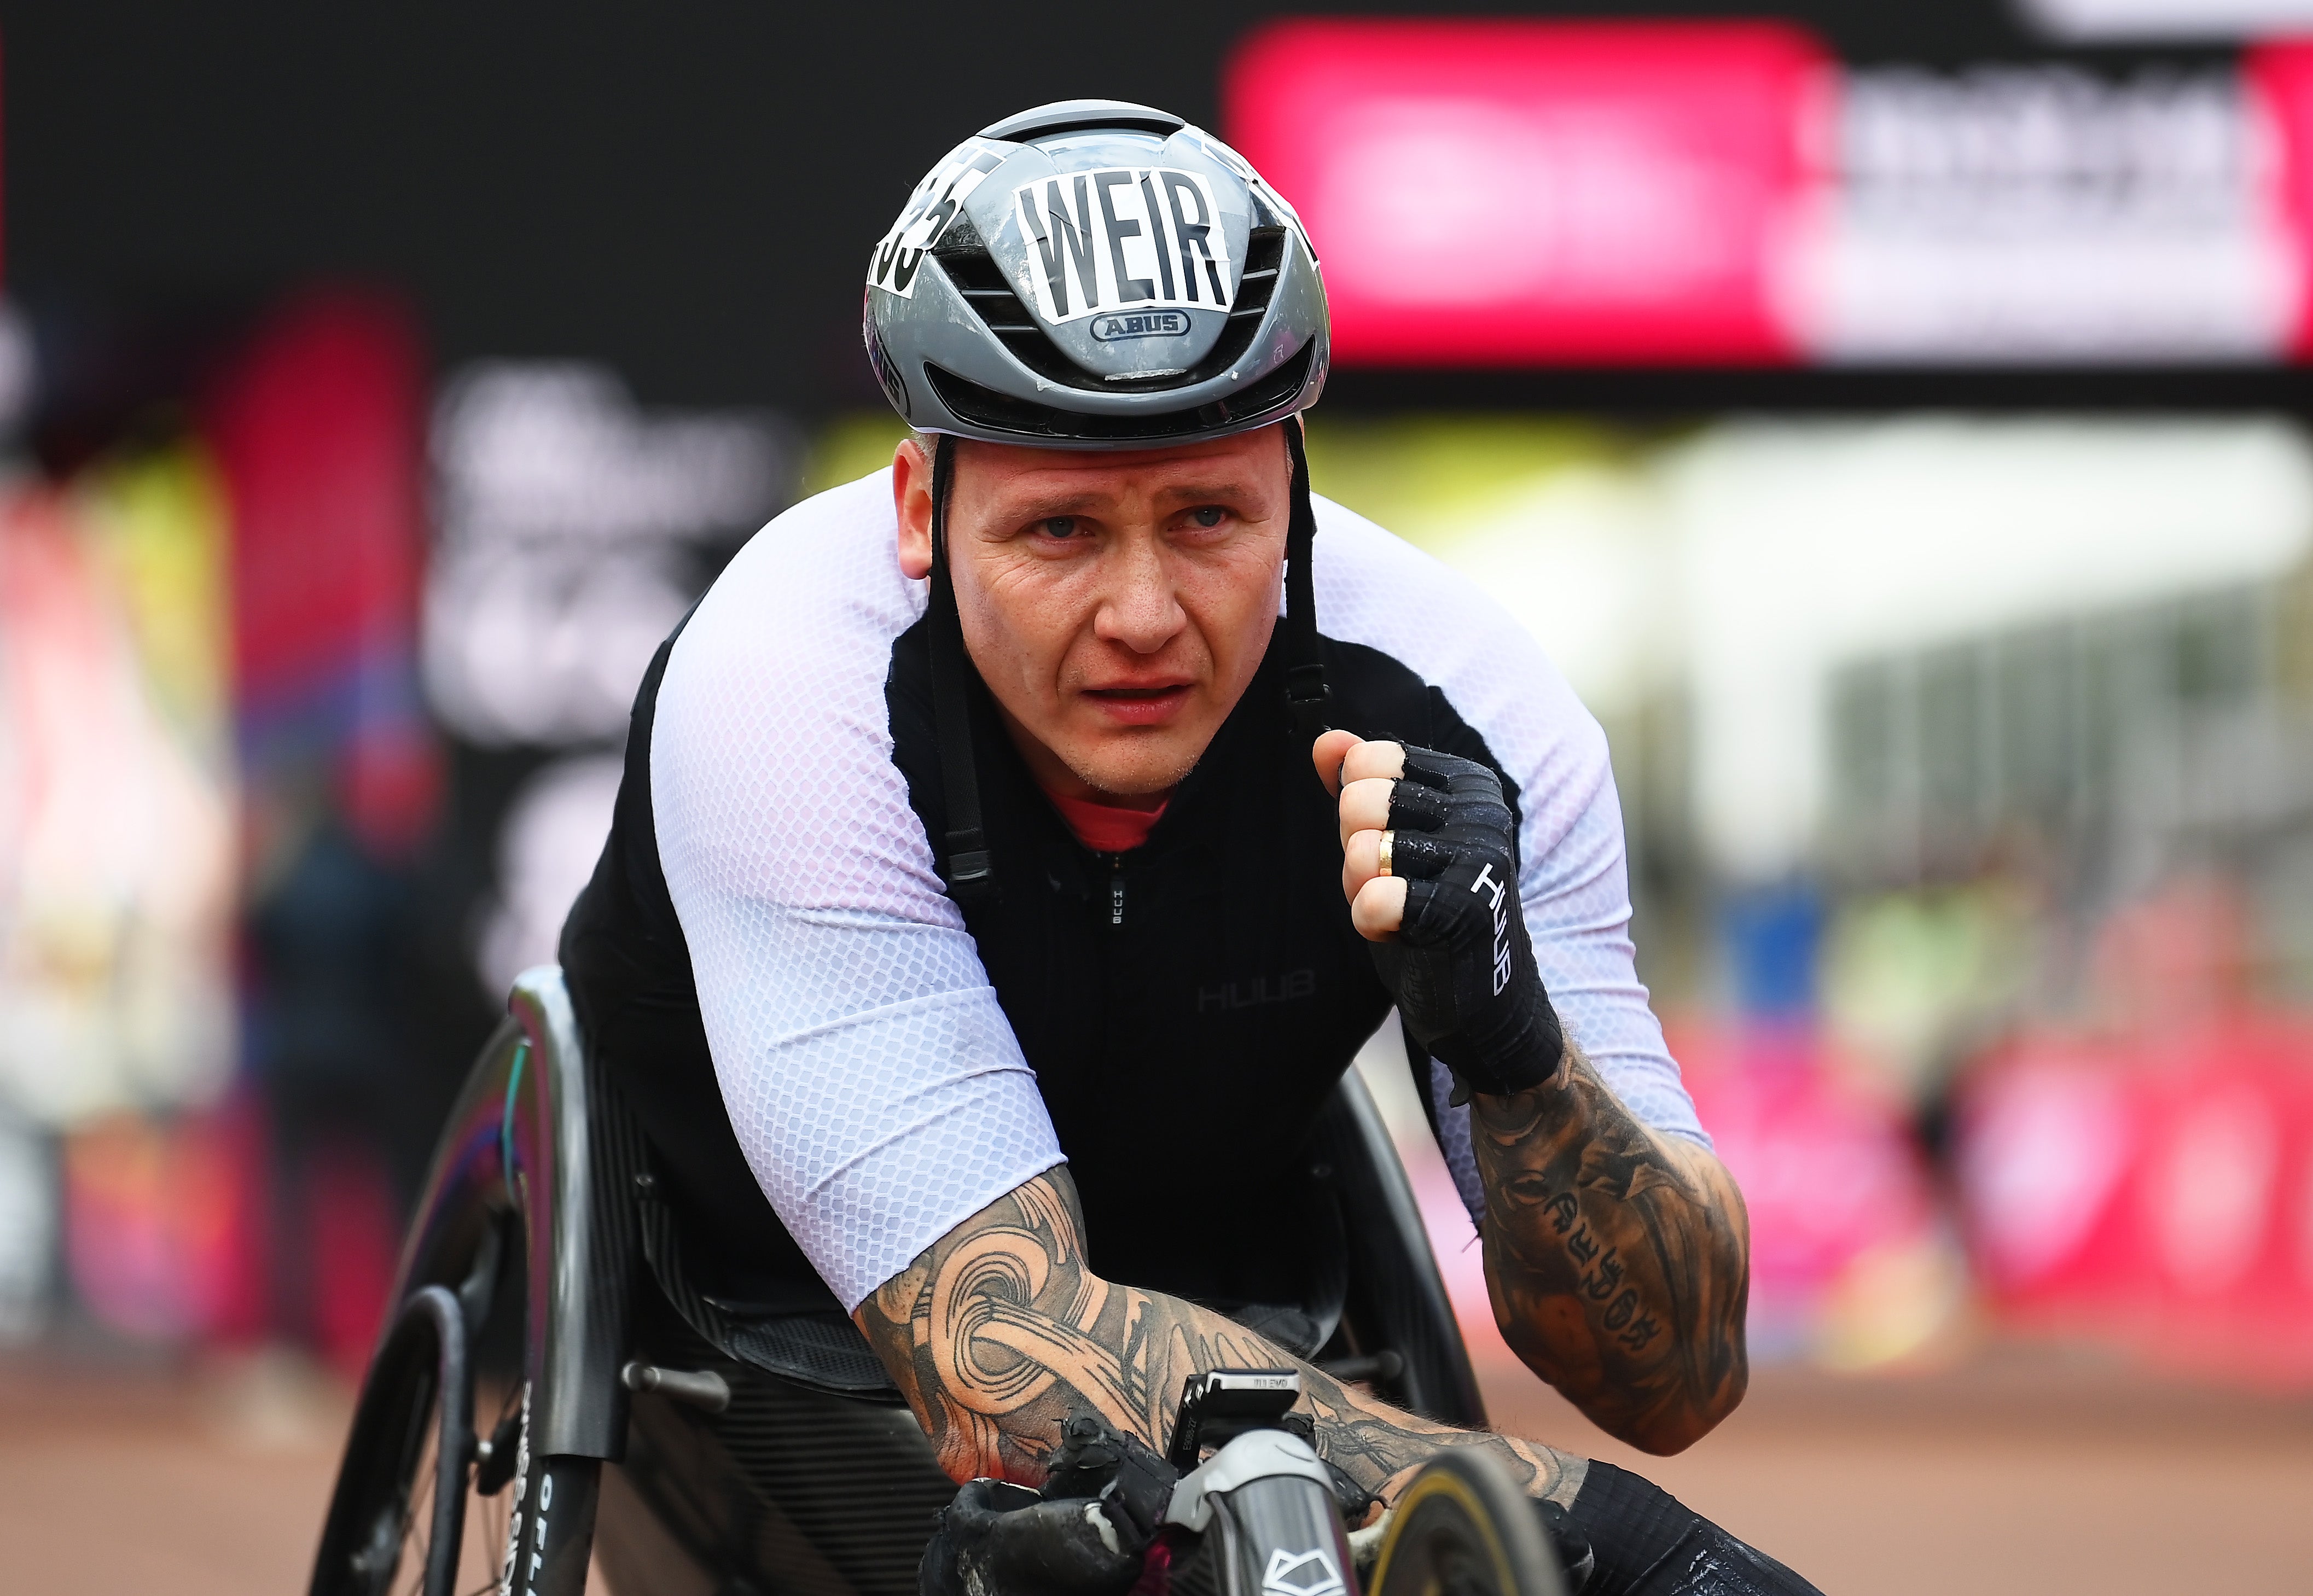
(1493, 193)
(2157, 1190)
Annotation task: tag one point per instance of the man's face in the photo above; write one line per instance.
(1117, 604)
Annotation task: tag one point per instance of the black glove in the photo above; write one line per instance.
(1567, 1539)
(1462, 967)
(1133, 1485)
(1085, 1534)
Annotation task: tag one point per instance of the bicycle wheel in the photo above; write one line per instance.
(1463, 1529)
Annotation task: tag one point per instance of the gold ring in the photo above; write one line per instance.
(1387, 837)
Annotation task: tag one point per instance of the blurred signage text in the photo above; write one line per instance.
(1525, 193)
(574, 527)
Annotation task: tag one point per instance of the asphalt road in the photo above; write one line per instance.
(2019, 1471)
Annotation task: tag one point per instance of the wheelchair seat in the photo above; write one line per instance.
(800, 1334)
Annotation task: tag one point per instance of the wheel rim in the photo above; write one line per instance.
(1463, 1529)
(393, 1556)
(394, 1524)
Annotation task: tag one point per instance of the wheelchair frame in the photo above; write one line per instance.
(540, 1200)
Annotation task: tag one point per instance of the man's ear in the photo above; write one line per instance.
(911, 498)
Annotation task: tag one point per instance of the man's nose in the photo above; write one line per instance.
(1141, 610)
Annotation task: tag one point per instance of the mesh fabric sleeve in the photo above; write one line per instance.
(873, 1082)
(1376, 590)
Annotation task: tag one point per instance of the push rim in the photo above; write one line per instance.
(1462, 1528)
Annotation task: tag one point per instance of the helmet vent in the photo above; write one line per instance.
(984, 288)
(1081, 116)
(1264, 255)
(981, 283)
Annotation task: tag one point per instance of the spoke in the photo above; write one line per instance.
(486, 1516)
(494, 1544)
(418, 1525)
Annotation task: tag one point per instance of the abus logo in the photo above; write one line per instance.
(1142, 324)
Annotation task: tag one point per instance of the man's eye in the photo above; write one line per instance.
(1209, 515)
(1058, 526)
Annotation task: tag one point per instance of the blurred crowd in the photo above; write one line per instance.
(312, 683)
(218, 782)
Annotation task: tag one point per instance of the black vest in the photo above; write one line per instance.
(1187, 1006)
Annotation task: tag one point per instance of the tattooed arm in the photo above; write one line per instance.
(1618, 1260)
(999, 1332)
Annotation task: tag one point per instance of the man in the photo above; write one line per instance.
(967, 789)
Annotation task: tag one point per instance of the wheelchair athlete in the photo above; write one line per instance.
(991, 890)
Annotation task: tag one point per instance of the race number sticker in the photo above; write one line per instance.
(1128, 240)
(937, 203)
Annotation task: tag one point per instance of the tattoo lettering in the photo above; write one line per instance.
(1619, 1260)
(1000, 1332)
(1599, 1283)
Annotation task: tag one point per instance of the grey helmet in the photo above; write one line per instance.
(1095, 275)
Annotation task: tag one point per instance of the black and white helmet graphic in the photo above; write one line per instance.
(1095, 275)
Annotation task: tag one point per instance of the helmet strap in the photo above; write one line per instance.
(971, 868)
(1307, 698)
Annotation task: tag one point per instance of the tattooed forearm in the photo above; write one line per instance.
(1618, 1260)
(999, 1332)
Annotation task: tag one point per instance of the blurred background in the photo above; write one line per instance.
(1894, 420)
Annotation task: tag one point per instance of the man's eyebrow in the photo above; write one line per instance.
(1040, 507)
(1224, 489)
(1034, 507)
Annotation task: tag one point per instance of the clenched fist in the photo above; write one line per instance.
(1429, 866)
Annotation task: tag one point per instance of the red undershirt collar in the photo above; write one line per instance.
(1104, 827)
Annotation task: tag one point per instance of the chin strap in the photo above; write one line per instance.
(971, 868)
(1307, 698)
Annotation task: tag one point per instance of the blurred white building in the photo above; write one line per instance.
(1748, 570)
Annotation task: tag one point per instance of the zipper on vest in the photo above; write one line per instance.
(1116, 890)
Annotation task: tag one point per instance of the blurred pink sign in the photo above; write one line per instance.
(2158, 1189)
(2281, 76)
(1497, 193)
(1827, 1168)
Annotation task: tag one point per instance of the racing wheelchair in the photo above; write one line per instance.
(562, 1388)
